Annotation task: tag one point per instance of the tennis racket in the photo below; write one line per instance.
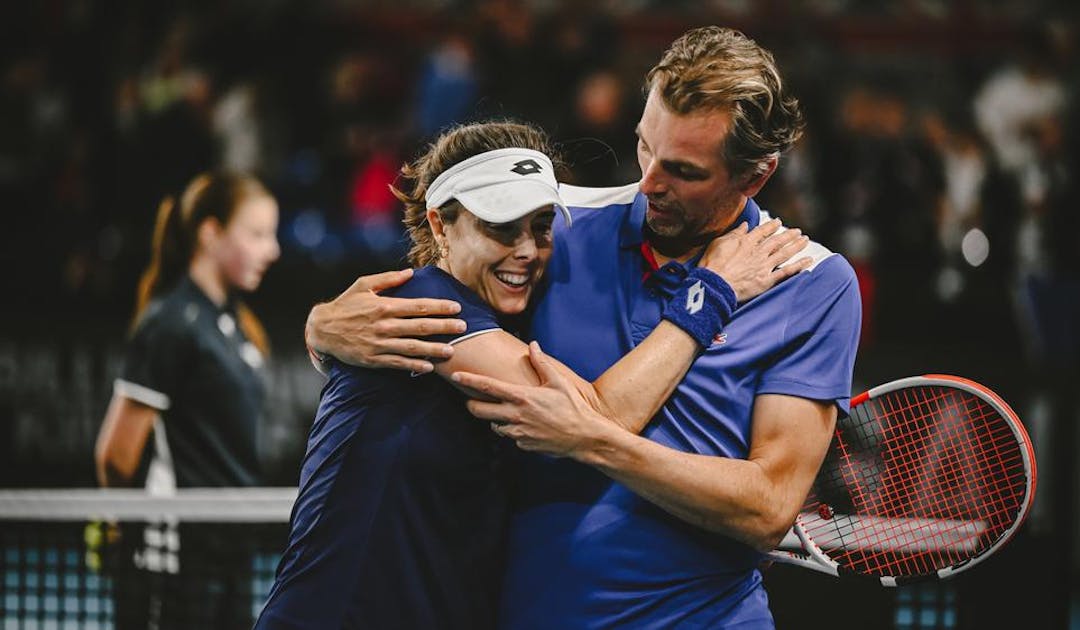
(926, 478)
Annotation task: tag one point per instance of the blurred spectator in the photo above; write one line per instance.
(885, 185)
(599, 134)
(236, 123)
(362, 106)
(792, 193)
(33, 118)
(1047, 292)
(360, 147)
(958, 216)
(579, 39)
(513, 79)
(353, 110)
(34, 149)
(1022, 109)
(160, 136)
(448, 87)
(177, 102)
(1016, 98)
(375, 215)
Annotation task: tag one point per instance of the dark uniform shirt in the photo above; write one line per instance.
(401, 514)
(189, 359)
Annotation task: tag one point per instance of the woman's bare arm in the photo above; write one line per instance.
(121, 440)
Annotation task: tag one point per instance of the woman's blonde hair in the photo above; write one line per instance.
(452, 146)
(714, 68)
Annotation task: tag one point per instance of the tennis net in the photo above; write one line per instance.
(101, 559)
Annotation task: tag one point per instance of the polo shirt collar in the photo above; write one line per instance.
(631, 234)
(188, 286)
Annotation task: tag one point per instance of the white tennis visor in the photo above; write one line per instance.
(499, 186)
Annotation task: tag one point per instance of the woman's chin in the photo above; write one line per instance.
(512, 305)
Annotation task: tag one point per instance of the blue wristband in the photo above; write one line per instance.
(702, 306)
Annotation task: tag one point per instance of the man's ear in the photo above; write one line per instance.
(756, 178)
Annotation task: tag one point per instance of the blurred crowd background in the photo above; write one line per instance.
(940, 159)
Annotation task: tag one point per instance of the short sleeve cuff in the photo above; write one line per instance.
(141, 394)
(470, 335)
(836, 395)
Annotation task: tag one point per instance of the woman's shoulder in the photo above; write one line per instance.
(432, 282)
(171, 314)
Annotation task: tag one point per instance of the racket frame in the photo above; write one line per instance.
(798, 548)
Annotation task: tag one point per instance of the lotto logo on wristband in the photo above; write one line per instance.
(695, 298)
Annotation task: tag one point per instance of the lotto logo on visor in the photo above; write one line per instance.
(491, 185)
(526, 167)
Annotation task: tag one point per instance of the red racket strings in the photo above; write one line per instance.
(917, 480)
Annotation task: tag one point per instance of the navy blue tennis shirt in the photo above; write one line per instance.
(401, 516)
(586, 552)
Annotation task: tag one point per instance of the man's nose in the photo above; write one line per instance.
(652, 179)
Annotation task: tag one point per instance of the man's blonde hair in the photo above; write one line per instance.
(714, 68)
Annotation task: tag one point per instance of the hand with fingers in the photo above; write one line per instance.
(553, 418)
(361, 327)
(749, 261)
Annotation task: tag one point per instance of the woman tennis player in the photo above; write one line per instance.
(404, 496)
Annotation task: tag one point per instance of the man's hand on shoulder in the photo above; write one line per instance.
(555, 417)
(749, 260)
(362, 328)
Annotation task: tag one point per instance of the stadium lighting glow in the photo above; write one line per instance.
(309, 228)
(975, 247)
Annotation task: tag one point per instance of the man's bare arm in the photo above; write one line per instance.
(361, 327)
(753, 500)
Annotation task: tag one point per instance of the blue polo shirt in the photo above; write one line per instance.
(585, 551)
(401, 516)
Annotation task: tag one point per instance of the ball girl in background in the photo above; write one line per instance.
(186, 409)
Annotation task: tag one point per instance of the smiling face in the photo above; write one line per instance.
(501, 262)
(691, 191)
(248, 244)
